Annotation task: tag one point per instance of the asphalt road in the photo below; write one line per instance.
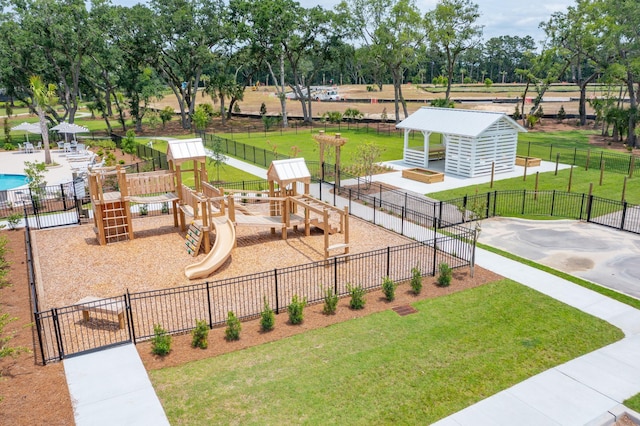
(596, 253)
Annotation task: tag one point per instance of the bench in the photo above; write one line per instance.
(104, 306)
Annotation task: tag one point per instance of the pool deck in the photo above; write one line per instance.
(12, 162)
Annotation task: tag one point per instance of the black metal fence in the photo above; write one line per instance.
(44, 207)
(73, 330)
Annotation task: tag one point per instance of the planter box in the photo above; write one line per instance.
(528, 161)
(423, 175)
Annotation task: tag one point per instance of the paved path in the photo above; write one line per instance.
(111, 387)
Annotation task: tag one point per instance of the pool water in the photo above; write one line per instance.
(12, 181)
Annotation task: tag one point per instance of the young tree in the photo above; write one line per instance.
(365, 159)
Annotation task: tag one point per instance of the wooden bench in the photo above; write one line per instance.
(104, 306)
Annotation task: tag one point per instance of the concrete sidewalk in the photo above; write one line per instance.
(111, 387)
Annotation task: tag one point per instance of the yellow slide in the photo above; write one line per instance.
(225, 241)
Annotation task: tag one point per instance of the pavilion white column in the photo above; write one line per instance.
(425, 148)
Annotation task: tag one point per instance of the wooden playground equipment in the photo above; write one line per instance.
(112, 191)
(336, 141)
(207, 208)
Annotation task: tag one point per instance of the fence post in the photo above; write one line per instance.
(435, 252)
(624, 215)
(56, 330)
(589, 205)
(374, 210)
(127, 304)
(64, 199)
(486, 211)
(402, 220)
(275, 277)
(209, 305)
(36, 316)
(553, 201)
(524, 199)
(388, 260)
(495, 202)
(335, 275)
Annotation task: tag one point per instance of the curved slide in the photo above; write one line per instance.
(225, 240)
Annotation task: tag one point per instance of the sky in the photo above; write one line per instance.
(499, 17)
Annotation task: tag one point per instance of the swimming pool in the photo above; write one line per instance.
(12, 181)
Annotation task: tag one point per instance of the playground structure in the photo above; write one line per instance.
(206, 208)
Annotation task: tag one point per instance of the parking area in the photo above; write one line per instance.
(596, 253)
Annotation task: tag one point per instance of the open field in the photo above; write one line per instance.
(357, 96)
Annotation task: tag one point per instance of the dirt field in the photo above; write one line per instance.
(377, 102)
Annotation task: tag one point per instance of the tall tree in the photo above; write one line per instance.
(190, 32)
(569, 38)
(453, 30)
(136, 42)
(616, 25)
(393, 30)
(268, 26)
(65, 33)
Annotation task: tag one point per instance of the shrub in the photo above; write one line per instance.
(357, 296)
(330, 301)
(444, 279)
(161, 341)
(144, 209)
(166, 115)
(561, 113)
(4, 264)
(416, 280)
(389, 288)
(200, 334)
(13, 220)
(9, 147)
(516, 113)
(233, 327)
(442, 103)
(267, 317)
(488, 82)
(296, 309)
(371, 88)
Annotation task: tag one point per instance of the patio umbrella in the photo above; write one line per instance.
(69, 128)
(29, 128)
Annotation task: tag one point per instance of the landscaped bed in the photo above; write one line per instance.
(423, 175)
(527, 161)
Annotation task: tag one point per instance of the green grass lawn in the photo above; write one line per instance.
(302, 144)
(611, 188)
(224, 173)
(384, 368)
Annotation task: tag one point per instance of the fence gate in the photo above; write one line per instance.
(57, 205)
(91, 324)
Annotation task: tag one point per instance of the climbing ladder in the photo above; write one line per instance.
(194, 239)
